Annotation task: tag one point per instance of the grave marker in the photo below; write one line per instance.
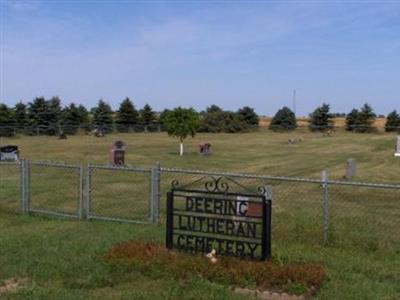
(351, 169)
(397, 153)
(9, 153)
(117, 153)
(205, 149)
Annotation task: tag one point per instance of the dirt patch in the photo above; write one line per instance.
(11, 285)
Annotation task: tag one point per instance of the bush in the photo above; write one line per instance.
(153, 257)
(215, 120)
(321, 119)
(361, 120)
(284, 119)
(392, 122)
(6, 121)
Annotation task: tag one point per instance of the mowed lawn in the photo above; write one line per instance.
(63, 259)
(263, 152)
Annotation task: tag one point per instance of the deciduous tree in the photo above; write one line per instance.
(182, 123)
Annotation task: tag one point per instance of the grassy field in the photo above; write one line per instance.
(63, 259)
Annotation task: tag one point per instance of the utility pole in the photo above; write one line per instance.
(294, 101)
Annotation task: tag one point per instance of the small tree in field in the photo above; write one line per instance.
(320, 118)
(392, 122)
(352, 119)
(366, 119)
(284, 119)
(181, 123)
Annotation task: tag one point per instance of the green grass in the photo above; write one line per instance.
(62, 259)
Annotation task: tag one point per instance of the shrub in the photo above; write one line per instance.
(153, 257)
(284, 119)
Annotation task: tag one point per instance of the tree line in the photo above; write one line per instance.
(321, 119)
(49, 117)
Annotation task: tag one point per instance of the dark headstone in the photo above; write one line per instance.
(205, 149)
(62, 136)
(9, 153)
(117, 153)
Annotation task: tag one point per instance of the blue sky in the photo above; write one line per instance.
(198, 53)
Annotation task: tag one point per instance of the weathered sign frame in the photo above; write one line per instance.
(218, 190)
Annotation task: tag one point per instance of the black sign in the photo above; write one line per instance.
(234, 224)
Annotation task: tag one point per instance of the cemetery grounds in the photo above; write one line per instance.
(63, 259)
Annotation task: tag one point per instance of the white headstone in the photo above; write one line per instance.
(397, 153)
(351, 169)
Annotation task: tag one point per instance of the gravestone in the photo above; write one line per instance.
(9, 153)
(62, 136)
(117, 153)
(397, 153)
(205, 149)
(351, 169)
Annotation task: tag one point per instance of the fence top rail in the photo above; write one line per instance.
(242, 175)
(56, 164)
(119, 168)
(10, 163)
(284, 178)
(365, 184)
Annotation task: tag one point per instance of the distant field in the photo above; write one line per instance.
(338, 122)
(62, 259)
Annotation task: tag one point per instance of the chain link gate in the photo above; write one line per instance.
(121, 193)
(53, 189)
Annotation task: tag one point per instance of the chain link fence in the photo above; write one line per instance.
(310, 211)
(119, 193)
(54, 189)
(297, 203)
(364, 215)
(10, 187)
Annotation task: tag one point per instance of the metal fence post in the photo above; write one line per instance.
(81, 187)
(88, 191)
(155, 194)
(22, 184)
(158, 187)
(27, 183)
(324, 178)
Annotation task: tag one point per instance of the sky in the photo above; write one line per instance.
(198, 53)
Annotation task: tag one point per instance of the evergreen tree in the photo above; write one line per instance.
(320, 118)
(54, 111)
(163, 115)
(392, 122)
(126, 116)
(248, 115)
(147, 115)
(102, 116)
(41, 117)
(352, 119)
(84, 119)
(284, 119)
(233, 122)
(70, 119)
(366, 119)
(215, 120)
(214, 109)
(20, 115)
(7, 121)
